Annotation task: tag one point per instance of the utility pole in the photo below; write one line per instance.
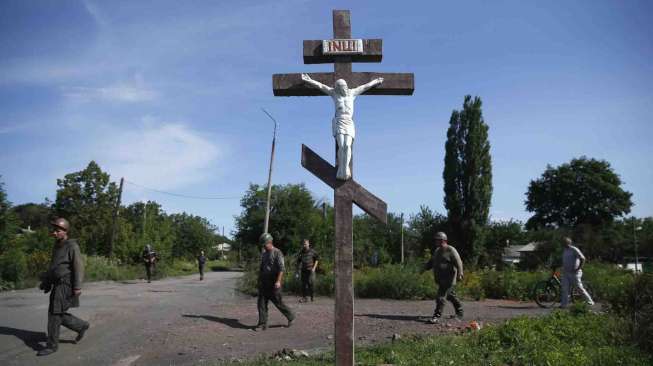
(635, 230)
(115, 218)
(267, 204)
(402, 238)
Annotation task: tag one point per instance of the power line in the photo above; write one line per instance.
(182, 195)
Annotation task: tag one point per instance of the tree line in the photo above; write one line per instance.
(88, 199)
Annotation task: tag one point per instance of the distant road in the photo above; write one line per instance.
(184, 321)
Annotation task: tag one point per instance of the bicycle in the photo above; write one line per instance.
(547, 293)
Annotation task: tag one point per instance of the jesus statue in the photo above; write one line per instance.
(343, 122)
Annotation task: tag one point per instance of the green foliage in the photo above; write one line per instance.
(294, 215)
(8, 226)
(583, 191)
(467, 178)
(33, 215)
(635, 303)
(562, 338)
(87, 198)
(394, 282)
(509, 284)
(13, 265)
(421, 231)
(498, 235)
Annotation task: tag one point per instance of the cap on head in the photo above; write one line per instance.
(61, 223)
(265, 238)
(440, 236)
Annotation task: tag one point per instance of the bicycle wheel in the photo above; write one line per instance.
(547, 295)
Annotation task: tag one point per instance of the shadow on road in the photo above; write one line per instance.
(233, 323)
(30, 338)
(414, 318)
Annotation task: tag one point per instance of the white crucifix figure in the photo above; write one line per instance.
(343, 120)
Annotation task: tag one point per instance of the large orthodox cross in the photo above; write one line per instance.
(342, 51)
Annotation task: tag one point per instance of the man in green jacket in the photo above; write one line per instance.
(307, 261)
(447, 268)
(269, 282)
(63, 280)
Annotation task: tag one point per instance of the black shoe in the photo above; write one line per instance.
(81, 333)
(260, 327)
(290, 322)
(312, 299)
(46, 351)
(459, 315)
(303, 299)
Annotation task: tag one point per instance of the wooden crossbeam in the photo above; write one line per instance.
(291, 85)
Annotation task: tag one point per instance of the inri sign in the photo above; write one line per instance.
(342, 46)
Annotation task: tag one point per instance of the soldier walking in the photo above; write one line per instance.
(149, 259)
(447, 268)
(201, 260)
(63, 280)
(307, 261)
(269, 286)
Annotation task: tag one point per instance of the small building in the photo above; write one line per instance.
(515, 254)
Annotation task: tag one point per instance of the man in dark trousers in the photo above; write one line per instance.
(149, 259)
(447, 268)
(306, 264)
(201, 260)
(63, 280)
(269, 285)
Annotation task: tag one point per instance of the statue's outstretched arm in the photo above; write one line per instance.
(316, 84)
(365, 87)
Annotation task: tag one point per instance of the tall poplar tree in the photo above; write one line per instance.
(467, 178)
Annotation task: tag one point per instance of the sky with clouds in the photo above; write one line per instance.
(168, 94)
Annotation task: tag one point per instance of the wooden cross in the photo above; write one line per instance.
(346, 192)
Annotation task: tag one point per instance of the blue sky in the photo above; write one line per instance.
(168, 94)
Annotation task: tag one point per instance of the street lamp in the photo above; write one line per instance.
(267, 204)
(635, 230)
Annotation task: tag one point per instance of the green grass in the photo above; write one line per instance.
(562, 338)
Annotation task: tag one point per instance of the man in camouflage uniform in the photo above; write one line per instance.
(306, 264)
(447, 268)
(149, 259)
(201, 261)
(63, 280)
(269, 283)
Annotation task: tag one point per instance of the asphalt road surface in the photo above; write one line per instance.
(184, 321)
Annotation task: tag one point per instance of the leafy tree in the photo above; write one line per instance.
(192, 234)
(294, 215)
(33, 215)
(8, 227)
(372, 237)
(86, 198)
(467, 178)
(422, 228)
(584, 191)
(498, 235)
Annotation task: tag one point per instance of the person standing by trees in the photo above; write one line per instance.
(63, 280)
(572, 272)
(307, 261)
(201, 260)
(269, 282)
(447, 268)
(149, 259)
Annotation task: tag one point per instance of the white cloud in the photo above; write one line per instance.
(128, 92)
(162, 156)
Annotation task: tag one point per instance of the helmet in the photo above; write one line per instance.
(440, 235)
(264, 238)
(61, 223)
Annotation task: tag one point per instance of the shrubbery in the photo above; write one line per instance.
(408, 282)
(562, 338)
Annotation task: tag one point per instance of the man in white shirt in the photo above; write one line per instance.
(572, 264)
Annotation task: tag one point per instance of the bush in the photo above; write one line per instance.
(635, 303)
(394, 282)
(13, 267)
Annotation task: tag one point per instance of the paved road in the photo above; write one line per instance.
(182, 321)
